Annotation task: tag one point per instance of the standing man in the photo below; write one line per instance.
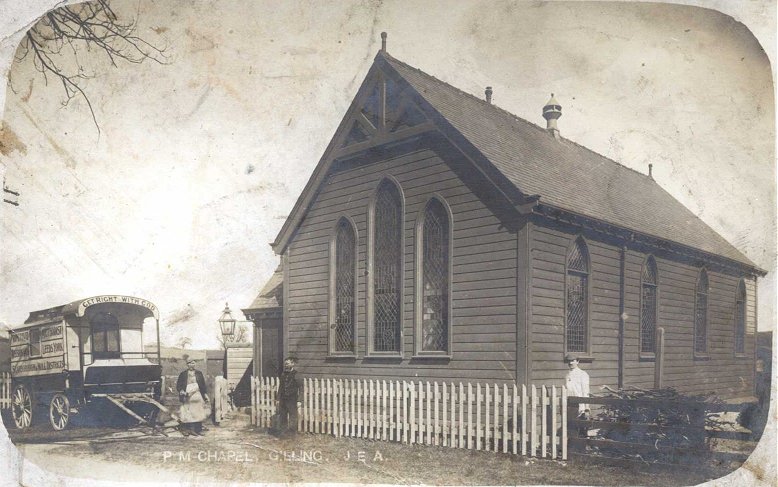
(288, 392)
(577, 383)
(194, 399)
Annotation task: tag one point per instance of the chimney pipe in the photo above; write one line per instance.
(383, 41)
(650, 168)
(488, 93)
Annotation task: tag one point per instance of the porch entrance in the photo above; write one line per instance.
(270, 347)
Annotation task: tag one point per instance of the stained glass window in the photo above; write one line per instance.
(434, 279)
(345, 308)
(740, 319)
(648, 307)
(387, 255)
(577, 297)
(701, 314)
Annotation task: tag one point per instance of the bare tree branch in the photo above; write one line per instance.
(86, 26)
(241, 336)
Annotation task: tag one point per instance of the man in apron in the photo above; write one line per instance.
(194, 400)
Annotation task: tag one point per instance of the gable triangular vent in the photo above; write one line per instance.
(371, 108)
(356, 135)
(409, 116)
(383, 109)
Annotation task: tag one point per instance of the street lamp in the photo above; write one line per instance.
(227, 323)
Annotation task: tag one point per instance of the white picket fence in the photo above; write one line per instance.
(510, 419)
(5, 390)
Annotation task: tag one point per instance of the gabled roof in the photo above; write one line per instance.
(561, 173)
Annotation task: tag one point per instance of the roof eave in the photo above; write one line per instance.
(295, 216)
(750, 266)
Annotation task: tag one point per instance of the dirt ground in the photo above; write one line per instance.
(236, 452)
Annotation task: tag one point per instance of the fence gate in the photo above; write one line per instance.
(493, 417)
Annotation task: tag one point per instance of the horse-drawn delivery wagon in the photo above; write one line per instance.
(85, 354)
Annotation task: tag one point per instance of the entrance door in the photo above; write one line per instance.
(272, 348)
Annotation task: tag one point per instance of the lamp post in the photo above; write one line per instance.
(227, 326)
(227, 323)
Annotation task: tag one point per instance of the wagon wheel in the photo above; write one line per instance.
(21, 407)
(59, 411)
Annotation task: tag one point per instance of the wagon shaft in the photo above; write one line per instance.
(120, 399)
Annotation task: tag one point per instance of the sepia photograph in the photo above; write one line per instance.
(395, 242)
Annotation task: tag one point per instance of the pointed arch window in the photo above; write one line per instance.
(740, 319)
(343, 272)
(385, 299)
(433, 280)
(648, 306)
(577, 298)
(701, 314)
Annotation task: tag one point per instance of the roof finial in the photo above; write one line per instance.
(551, 112)
(383, 41)
(488, 93)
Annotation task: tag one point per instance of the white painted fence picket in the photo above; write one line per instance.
(5, 390)
(492, 417)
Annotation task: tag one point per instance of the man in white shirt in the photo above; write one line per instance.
(577, 383)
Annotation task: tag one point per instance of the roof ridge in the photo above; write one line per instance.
(514, 116)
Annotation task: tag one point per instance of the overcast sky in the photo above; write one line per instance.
(200, 160)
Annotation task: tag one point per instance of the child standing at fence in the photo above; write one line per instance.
(577, 382)
(288, 392)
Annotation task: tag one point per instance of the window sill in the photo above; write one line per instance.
(351, 356)
(701, 356)
(431, 356)
(581, 357)
(740, 355)
(647, 357)
(384, 356)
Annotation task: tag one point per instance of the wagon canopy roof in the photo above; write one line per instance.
(77, 308)
(563, 174)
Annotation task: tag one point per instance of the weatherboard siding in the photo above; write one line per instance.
(483, 287)
(723, 372)
(549, 251)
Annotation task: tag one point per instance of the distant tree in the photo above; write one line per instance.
(184, 342)
(241, 336)
(55, 41)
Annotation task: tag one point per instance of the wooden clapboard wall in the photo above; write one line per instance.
(722, 371)
(238, 361)
(506, 274)
(484, 275)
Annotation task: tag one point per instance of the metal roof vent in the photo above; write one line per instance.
(551, 112)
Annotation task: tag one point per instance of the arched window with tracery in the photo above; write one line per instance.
(577, 297)
(433, 247)
(387, 269)
(701, 314)
(740, 318)
(343, 289)
(648, 306)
